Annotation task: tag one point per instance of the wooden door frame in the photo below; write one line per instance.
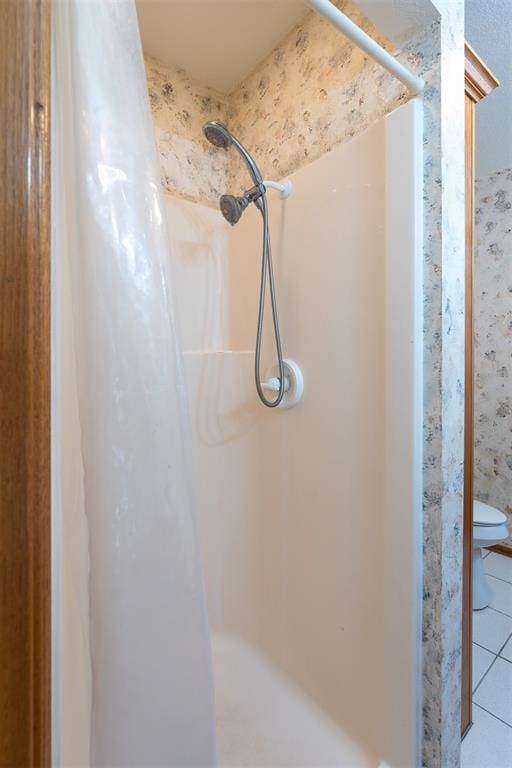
(479, 81)
(25, 472)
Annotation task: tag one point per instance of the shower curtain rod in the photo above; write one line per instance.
(367, 44)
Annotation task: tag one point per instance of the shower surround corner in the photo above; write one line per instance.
(290, 112)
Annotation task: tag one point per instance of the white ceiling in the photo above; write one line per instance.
(489, 32)
(216, 41)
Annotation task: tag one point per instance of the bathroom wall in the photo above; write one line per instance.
(293, 508)
(493, 341)
(304, 537)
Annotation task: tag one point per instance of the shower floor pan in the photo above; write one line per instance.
(264, 721)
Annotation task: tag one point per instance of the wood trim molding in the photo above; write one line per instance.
(479, 81)
(502, 549)
(467, 538)
(25, 472)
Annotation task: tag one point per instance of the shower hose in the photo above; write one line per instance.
(267, 267)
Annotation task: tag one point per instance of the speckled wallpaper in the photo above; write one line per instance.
(314, 91)
(190, 167)
(493, 342)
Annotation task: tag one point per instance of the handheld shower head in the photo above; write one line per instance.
(217, 134)
(232, 207)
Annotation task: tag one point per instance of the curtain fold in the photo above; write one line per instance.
(152, 696)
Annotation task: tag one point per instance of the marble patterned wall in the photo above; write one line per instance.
(190, 167)
(437, 55)
(493, 341)
(313, 92)
(444, 397)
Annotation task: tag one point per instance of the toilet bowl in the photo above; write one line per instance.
(489, 528)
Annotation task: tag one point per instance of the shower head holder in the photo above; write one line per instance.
(284, 188)
(294, 383)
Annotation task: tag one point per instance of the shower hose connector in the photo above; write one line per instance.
(284, 188)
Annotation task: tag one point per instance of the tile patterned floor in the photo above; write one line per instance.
(489, 742)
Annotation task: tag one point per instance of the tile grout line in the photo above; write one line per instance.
(498, 611)
(503, 646)
(498, 578)
(474, 703)
(494, 653)
(492, 715)
(490, 608)
(491, 665)
(497, 655)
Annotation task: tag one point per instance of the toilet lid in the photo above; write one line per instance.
(484, 514)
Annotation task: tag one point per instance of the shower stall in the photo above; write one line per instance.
(310, 516)
(236, 583)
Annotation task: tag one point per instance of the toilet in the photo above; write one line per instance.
(489, 528)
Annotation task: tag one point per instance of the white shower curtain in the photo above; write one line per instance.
(122, 420)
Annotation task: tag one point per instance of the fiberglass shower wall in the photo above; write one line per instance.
(309, 518)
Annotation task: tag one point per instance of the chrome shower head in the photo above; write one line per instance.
(217, 134)
(232, 207)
